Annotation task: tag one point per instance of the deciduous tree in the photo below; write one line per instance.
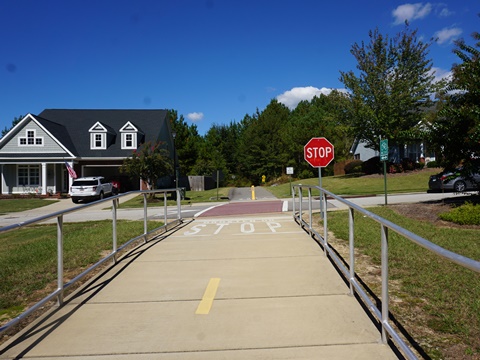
(455, 133)
(392, 87)
(149, 162)
(323, 116)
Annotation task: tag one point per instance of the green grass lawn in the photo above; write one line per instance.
(28, 257)
(415, 181)
(435, 294)
(15, 205)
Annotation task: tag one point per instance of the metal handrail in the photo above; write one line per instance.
(61, 285)
(381, 314)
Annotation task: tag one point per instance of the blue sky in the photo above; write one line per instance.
(214, 61)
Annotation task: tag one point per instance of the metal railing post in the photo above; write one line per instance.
(385, 297)
(114, 229)
(300, 198)
(293, 201)
(323, 200)
(310, 210)
(165, 207)
(179, 205)
(351, 240)
(60, 259)
(145, 217)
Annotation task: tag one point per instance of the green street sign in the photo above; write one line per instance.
(384, 150)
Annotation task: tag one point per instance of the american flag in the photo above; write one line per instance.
(72, 172)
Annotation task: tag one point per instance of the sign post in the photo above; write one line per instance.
(384, 158)
(319, 152)
(289, 172)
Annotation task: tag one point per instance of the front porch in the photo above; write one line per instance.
(34, 178)
(47, 178)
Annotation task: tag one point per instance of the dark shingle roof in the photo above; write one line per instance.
(71, 128)
(59, 132)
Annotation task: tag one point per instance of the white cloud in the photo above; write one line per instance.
(411, 12)
(440, 74)
(291, 98)
(447, 35)
(195, 116)
(445, 12)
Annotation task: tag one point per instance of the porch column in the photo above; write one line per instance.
(44, 178)
(54, 178)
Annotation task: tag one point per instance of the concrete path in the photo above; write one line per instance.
(246, 193)
(245, 208)
(218, 288)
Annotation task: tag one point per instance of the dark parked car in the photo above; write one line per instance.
(454, 181)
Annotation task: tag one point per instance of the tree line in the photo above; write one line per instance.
(264, 143)
(392, 95)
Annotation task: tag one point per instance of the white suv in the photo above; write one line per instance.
(88, 188)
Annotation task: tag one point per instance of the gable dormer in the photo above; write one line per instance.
(98, 136)
(130, 136)
(30, 138)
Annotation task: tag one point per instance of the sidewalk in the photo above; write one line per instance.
(255, 287)
(63, 204)
(55, 206)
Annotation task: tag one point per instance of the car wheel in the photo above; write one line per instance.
(75, 200)
(459, 186)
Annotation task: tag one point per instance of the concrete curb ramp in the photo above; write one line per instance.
(217, 288)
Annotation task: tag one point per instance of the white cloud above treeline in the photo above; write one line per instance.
(291, 98)
(440, 74)
(195, 116)
(447, 35)
(410, 12)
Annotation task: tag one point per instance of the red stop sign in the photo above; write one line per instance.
(318, 152)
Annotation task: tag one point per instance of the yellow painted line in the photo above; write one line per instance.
(208, 297)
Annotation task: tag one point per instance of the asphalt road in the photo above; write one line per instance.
(239, 198)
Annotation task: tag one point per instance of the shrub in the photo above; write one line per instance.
(432, 164)
(372, 166)
(419, 165)
(408, 164)
(353, 167)
(306, 174)
(395, 168)
(468, 214)
(327, 171)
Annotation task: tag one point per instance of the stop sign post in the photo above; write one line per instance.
(319, 152)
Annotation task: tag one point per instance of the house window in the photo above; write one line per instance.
(129, 136)
(28, 175)
(30, 139)
(129, 141)
(98, 141)
(98, 136)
